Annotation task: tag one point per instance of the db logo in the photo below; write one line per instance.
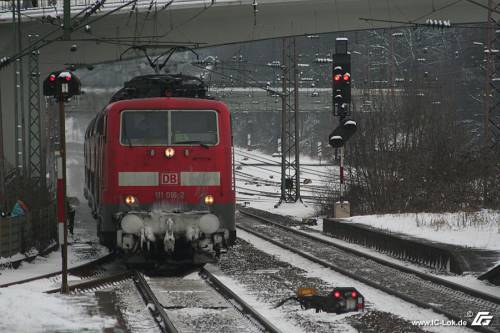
(169, 178)
(482, 319)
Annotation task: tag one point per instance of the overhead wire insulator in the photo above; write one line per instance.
(4, 62)
(255, 11)
(440, 24)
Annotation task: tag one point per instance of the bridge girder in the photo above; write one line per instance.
(227, 21)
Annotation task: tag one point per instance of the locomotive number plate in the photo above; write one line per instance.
(169, 179)
(165, 196)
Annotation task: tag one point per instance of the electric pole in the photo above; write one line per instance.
(290, 160)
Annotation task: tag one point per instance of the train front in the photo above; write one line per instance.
(170, 190)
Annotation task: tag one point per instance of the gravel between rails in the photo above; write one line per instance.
(192, 304)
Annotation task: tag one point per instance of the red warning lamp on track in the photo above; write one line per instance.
(337, 77)
(340, 300)
(347, 77)
(52, 77)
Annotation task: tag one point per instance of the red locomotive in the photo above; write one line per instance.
(158, 171)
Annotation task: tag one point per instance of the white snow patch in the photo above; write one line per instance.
(75, 132)
(469, 281)
(275, 316)
(43, 312)
(15, 257)
(479, 229)
(259, 185)
(44, 265)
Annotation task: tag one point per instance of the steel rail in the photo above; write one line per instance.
(95, 283)
(244, 308)
(157, 311)
(73, 270)
(347, 273)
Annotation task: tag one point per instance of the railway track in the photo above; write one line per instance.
(198, 305)
(243, 307)
(99, 282)
(155, 307)
(186, 305)
(203, 304)
(446, 298)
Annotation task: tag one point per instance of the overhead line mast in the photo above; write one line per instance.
(290, 162)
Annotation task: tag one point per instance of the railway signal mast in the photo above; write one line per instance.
(341, 100)
(61, 86)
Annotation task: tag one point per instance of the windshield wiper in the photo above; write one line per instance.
(204, 145)
(125, 134)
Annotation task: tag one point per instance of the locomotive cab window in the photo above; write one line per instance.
(194, 127)
(143, 128)
(162, 127)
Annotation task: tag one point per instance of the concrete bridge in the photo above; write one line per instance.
(120, 24)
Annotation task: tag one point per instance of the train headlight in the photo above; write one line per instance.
(169, 152)
(209, 200)
(130, 200)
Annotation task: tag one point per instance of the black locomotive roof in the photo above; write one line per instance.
(162, 85)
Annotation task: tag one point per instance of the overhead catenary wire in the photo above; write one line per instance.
(251, 180)
(264, 159)
(43, 41)
(196, 15)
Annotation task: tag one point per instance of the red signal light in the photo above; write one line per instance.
(347, 77)
(52, 77)
(336, 294)
(354, 294)
(337, 77)
(68, 78)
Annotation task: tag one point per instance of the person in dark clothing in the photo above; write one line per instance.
(70, 215)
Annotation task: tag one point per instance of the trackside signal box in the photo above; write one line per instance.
(341, 94)
(342, 78)
(342, 133)
(340, 300)
(61, 84)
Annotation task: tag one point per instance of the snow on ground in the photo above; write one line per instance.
(476, 229)
(470, 229)
(469, 281)
(380, 300)
(44, 265)
(258, 185)
(45, 313)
